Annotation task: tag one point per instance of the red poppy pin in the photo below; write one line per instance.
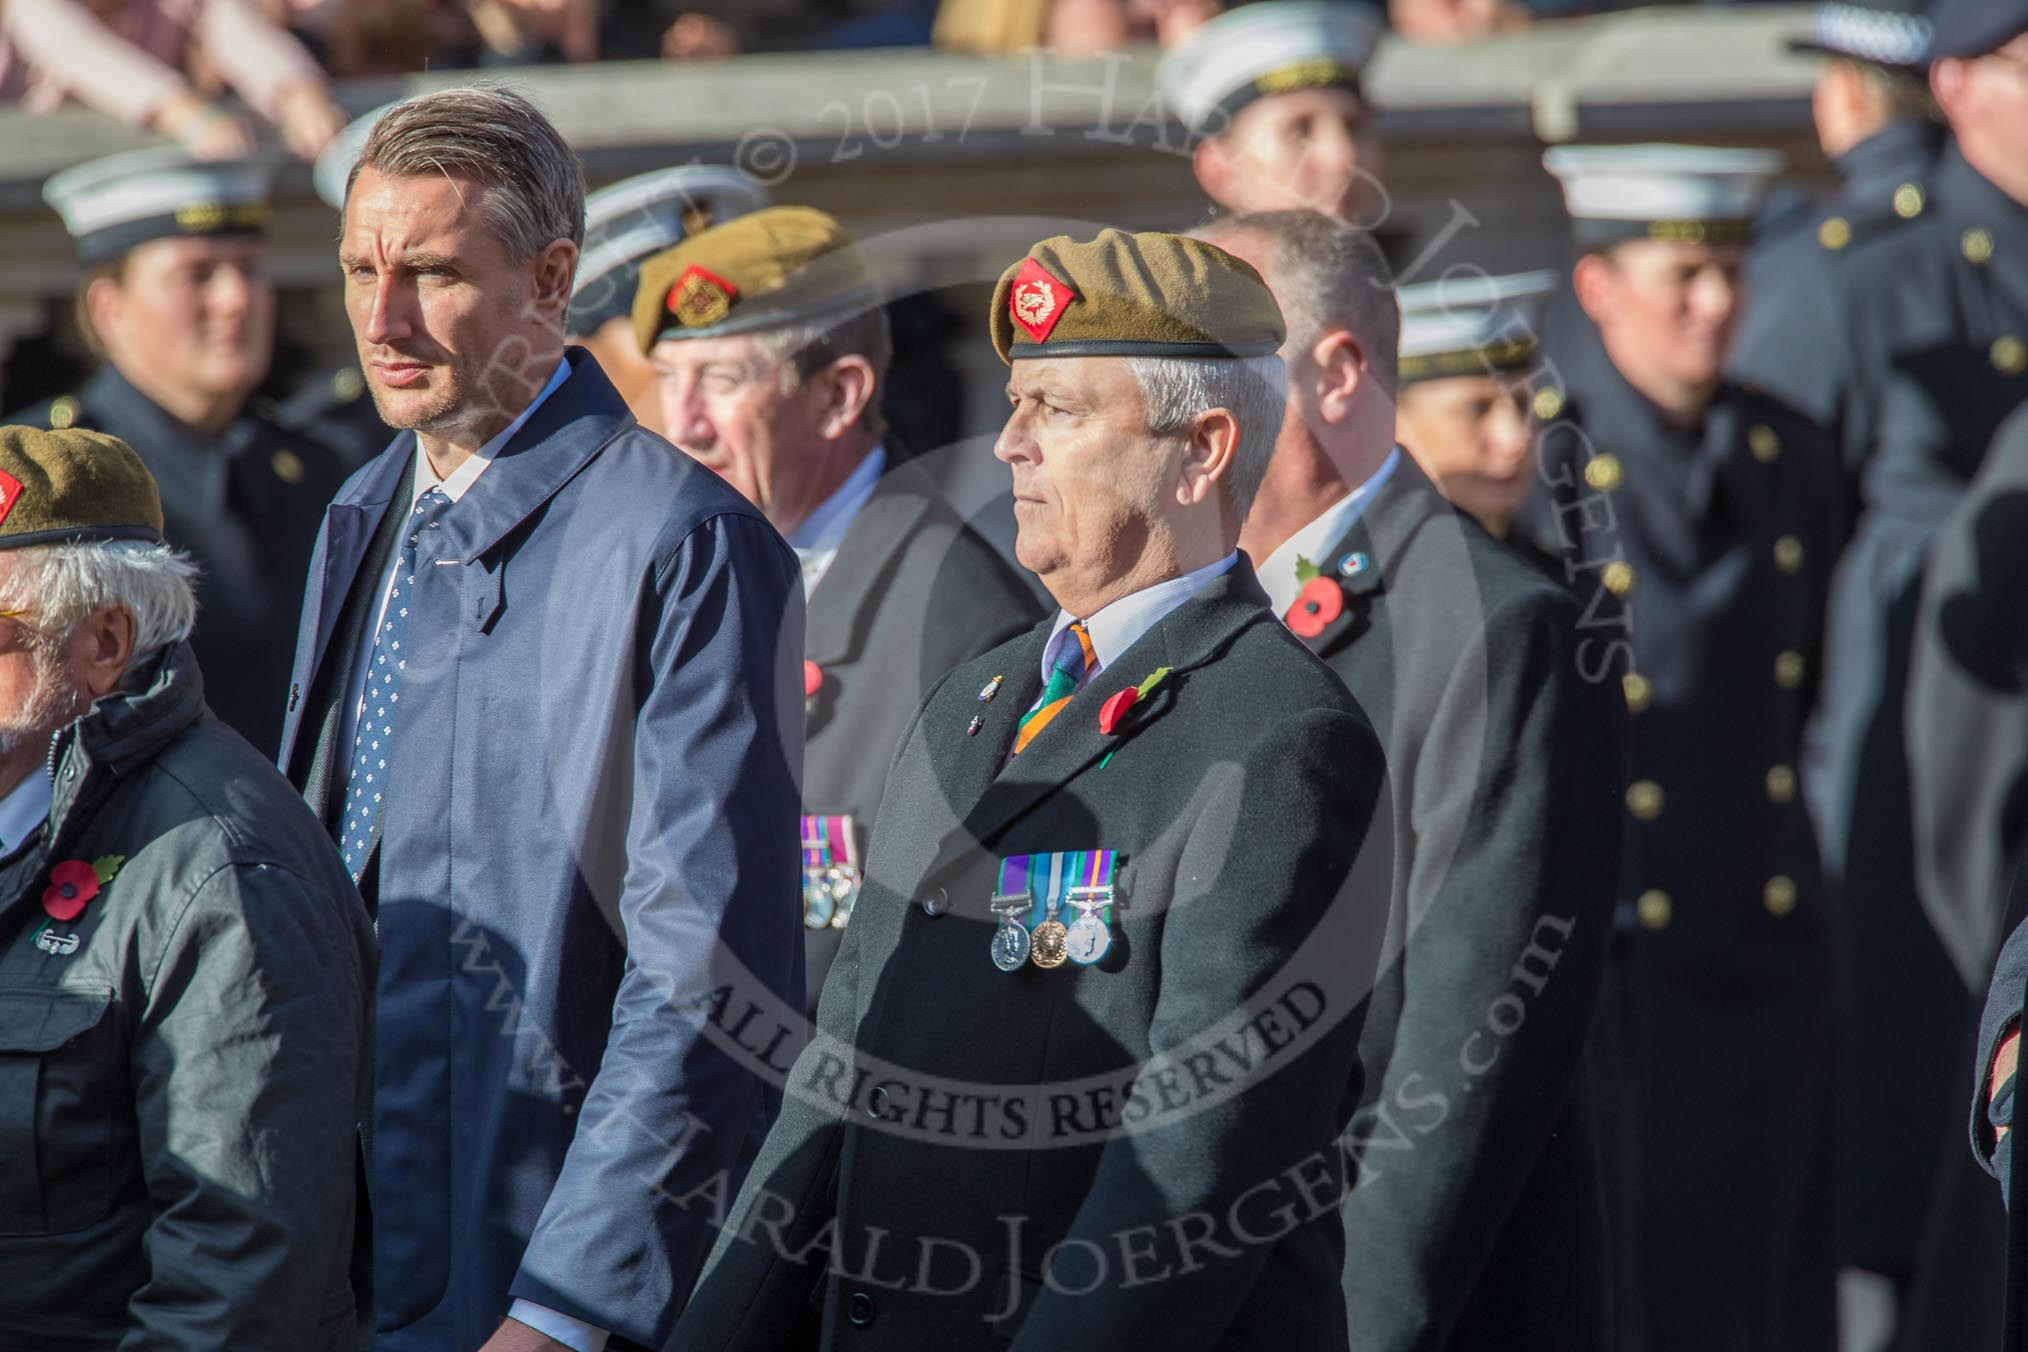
(1320, 602)
(1114, 710)
(813, 679)
(73, 882)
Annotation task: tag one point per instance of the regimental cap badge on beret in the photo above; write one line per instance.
(73, 486)
(113, 204)
(700, 298)
(1133, 295)
(1036, 300)
(768, 268)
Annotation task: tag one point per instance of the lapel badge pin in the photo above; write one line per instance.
(1353, 564)
(58, 945)
(990, 689)
(972, 728)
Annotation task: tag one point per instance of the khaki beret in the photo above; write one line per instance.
(776, 266)
(73, 486)
(1125, 295)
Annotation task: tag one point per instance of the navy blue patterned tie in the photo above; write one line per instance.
(373, 740)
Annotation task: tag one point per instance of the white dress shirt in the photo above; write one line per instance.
(1117, 626)
(461, 480)
(1278, 570)
(816, 541)
(24, 809)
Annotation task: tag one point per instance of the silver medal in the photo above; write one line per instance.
(1088, 940)
(1010, 946)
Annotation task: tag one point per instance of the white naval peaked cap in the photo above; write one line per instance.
(1269, 47)
(334, 165)
(638, 217)
(109, 205)
(1470, 324)
(1700, 194)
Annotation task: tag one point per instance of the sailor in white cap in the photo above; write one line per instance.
(1469, 346)
(626, 223)
(1697, 520)
(1273, 92)
(174, 296)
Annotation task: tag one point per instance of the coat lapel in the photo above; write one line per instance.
(1072, 746)
(1362, 559)
(572, 426)
(858, 576)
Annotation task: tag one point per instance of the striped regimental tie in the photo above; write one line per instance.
(1074, 662)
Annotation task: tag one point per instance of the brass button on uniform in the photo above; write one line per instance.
(1835, 233)
(1644, 800)
(1602, 471)
(1978, 246)
(1779, 894)
(1639, 691)
(1908, 201)
(1788, 669)
(1617, 577)
(1788, 553)
(1781, 784)
(1765, 445)
(2010, 355)
(1548, 403)
(287, 465)
(1654, 908)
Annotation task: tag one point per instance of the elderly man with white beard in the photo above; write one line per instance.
(183, 962)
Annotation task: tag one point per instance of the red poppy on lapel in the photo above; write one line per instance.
(71, 884)
(1115, 709)
(813, 679)
(1320, 602)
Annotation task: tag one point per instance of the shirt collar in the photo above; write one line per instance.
(826, 527)
(1118, 626)
(24, 809)
(1278, 573)
(466, 474)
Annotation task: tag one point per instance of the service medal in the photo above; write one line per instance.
(1047, 944)
(1010, 947)
(1088, 939)
(831, 874)
(818, 907)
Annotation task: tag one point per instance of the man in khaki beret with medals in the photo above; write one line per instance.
(1091, 1038)
(771, 352)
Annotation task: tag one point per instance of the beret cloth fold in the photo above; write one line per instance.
(1133, 295)
(73, 486)
(775, 266)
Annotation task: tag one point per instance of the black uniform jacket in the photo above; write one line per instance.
(1700, 557)
(1136, 1153)
(913, 592)
(1476, 1221)
(246, 504)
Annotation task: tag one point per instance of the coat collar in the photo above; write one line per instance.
(1900, 152)
(570, 428)
(857, 578)
(190, 468)
(991, 799)
(1363, 558)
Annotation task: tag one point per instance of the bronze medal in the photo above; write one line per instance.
(1047, 943)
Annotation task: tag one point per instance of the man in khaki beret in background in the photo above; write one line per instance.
(1091, 1037)
(184, 965)
(771, 349)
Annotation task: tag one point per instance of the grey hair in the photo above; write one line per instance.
(62, 584)
(802, 350)
(1174, 390)
(1327, 274)
(495, 137)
